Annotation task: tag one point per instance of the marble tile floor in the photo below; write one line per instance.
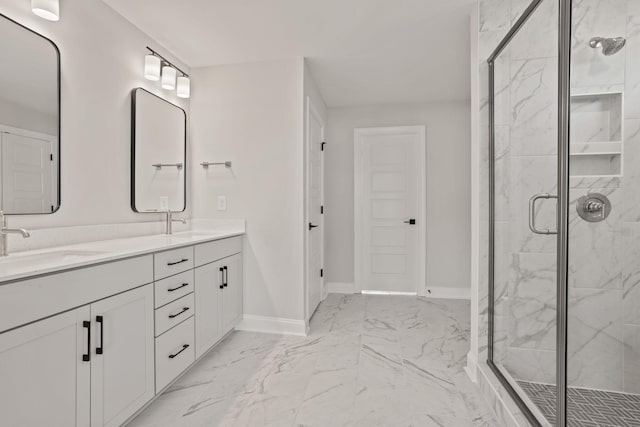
(368, 361)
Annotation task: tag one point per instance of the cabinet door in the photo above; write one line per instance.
(209, 284)
(232, 293)
(44, 379)
(122, 360)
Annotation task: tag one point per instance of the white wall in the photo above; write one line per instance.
(251, 114)
(22, 117)
(448, 187)
(102, 58)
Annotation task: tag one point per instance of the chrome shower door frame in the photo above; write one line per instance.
(564, 68)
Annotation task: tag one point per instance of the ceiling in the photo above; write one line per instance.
(361, 52)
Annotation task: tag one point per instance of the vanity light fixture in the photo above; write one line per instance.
(184, 87)
(154, 63)
(168, 77)
(152, 67)
(46, 9)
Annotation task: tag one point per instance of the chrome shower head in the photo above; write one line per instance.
(610, 46)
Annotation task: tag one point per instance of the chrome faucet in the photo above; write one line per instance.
(4, 231)
(170, 220)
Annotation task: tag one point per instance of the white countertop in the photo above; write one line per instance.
(22, 265)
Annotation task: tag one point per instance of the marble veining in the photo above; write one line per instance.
(368, 361)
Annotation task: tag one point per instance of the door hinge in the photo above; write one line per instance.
(322, 144)
(322, 272)
(322, 209)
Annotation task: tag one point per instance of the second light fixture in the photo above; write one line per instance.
(157, 67)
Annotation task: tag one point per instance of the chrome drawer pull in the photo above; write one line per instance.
(179, 287)
(171, 316)
(178, 262)
(184, 347)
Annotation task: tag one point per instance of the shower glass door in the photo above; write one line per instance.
(523, 239)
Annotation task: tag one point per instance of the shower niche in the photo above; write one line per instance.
(596, 134)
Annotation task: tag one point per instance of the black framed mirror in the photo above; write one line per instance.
(158, 154)
(29, 121)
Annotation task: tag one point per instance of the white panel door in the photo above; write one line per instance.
(27, 181)
(389, 209)
(209, 281)
(314, 209)
(44, 380)
(122, 360)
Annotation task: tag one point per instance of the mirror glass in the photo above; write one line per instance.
(29, 121)
(158, 154)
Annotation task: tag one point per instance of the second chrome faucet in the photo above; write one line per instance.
(5, 230)
(170, 220)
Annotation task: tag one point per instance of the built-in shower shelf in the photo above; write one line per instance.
(595, 148)
(596, 135)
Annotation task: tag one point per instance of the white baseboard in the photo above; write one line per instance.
(448, 293)
(472, 367)
(340, 288)
(272, 325)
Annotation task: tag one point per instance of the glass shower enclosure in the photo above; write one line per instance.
(564, 232)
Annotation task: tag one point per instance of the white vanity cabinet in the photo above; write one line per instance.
(44, 380)
(231, 304)
(218, 280)
(92, 345)
(89, 366)
(122, 359)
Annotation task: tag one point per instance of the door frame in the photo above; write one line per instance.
(310, 111)
(421, 215)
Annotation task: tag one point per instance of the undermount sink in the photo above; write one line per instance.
(47, 258)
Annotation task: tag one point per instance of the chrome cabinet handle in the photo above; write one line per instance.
(532, 213)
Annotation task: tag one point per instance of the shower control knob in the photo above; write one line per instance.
(593, 207)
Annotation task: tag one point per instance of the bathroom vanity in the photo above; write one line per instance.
(91, 333)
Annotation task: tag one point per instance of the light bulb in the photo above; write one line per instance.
(184, 87)
(168, 77)
(152, 67)
(47, 9)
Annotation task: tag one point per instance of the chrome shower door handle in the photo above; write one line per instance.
(532, 213)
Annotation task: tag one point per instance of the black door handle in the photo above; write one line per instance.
(221, 277)
(100, 320)
(411, 221)
(184, 347)
(178, 262)
(87, 356)
(311, 226)
(226, 277)
(171, 316)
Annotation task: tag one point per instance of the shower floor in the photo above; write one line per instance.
(587, 407)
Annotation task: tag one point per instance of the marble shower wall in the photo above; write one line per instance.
(604, 264)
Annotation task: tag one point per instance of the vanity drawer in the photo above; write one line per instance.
(174, 287)
(174, 313)
(213, 251)
(172, 262)
(175, 352)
